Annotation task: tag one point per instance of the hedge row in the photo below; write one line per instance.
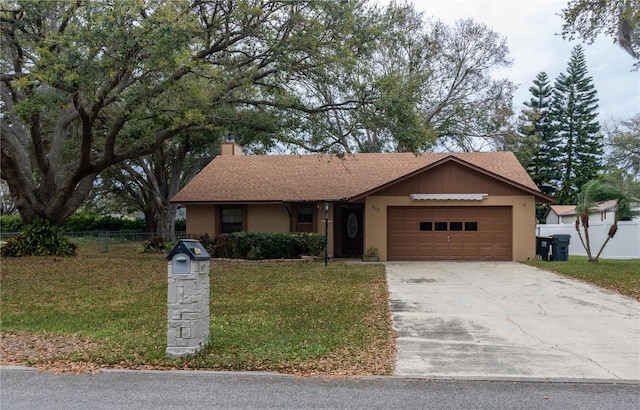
(263, 245)
(86, 222)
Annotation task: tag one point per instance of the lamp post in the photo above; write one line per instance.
(326, 233)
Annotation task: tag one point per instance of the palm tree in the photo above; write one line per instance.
(590, 195)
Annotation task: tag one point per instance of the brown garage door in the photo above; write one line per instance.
(462, 233)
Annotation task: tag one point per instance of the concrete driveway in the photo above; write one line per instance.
(486, 320)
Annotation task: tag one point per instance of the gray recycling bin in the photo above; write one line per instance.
(543, 245)
(560, 247)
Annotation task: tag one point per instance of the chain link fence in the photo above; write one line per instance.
(104, 239)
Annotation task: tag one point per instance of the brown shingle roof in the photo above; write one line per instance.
(297, 178)
(568, 210)
(564, 210)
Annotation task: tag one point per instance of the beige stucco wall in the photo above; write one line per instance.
(201, 219)
(267, 218)
(275, 218)
(523, 213)
(320, 225)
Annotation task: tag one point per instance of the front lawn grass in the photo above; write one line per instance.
(619, 275)
(301, 318)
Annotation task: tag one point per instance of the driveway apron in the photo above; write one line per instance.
(509, 320)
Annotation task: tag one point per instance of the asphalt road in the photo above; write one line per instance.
(29, 389)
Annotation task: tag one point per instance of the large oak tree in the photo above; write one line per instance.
(87, 85)
(419, 85)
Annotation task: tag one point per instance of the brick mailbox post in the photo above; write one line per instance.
(188, 298)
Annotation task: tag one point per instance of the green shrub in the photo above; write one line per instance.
(263, 245)
(245, 245)
(87, 223)
(155, 245)
(11, 223)
(40, 238)
(218, 246)
(91, 222)
(310, 243)
(181, 225)
(277, 245)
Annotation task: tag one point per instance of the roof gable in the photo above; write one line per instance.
(569, 210)
(299, 178)
(449, 177)
(563, 210)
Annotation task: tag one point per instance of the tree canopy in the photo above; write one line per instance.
(86, 85)
(574, 115)
(559, 140)
(619, 19)
(89, 86)
(544, 153)
(623, 143)
(421, 84)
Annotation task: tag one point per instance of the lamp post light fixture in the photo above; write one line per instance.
(326, 233)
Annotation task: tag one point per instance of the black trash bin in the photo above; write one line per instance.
(543, 244)
(560, 247)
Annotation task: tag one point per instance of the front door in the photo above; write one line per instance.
(350, 230)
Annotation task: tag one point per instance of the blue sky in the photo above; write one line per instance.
(531, 28)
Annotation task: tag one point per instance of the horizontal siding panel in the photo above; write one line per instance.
(449, 178)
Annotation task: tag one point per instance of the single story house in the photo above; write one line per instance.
(432, 206)
(566, 214)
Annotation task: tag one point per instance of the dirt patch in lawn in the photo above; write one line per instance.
(46, 352)
(55, 354)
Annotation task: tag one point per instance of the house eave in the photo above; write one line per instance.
(540, 198)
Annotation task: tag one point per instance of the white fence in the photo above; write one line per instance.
(624, 245)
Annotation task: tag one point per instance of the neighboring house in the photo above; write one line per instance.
(560, 214)
(451, 206)
(566, 214)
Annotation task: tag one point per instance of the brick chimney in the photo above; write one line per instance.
(229, 147)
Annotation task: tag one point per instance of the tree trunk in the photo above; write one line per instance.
(601, 249)
(32, 202)
(612, 232)
(167, 223)
(586, 238)
(584, 217)
(162, 222)
(150, 221)
(577, 225)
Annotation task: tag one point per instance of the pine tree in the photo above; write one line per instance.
(574, 112)
(537, 128)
